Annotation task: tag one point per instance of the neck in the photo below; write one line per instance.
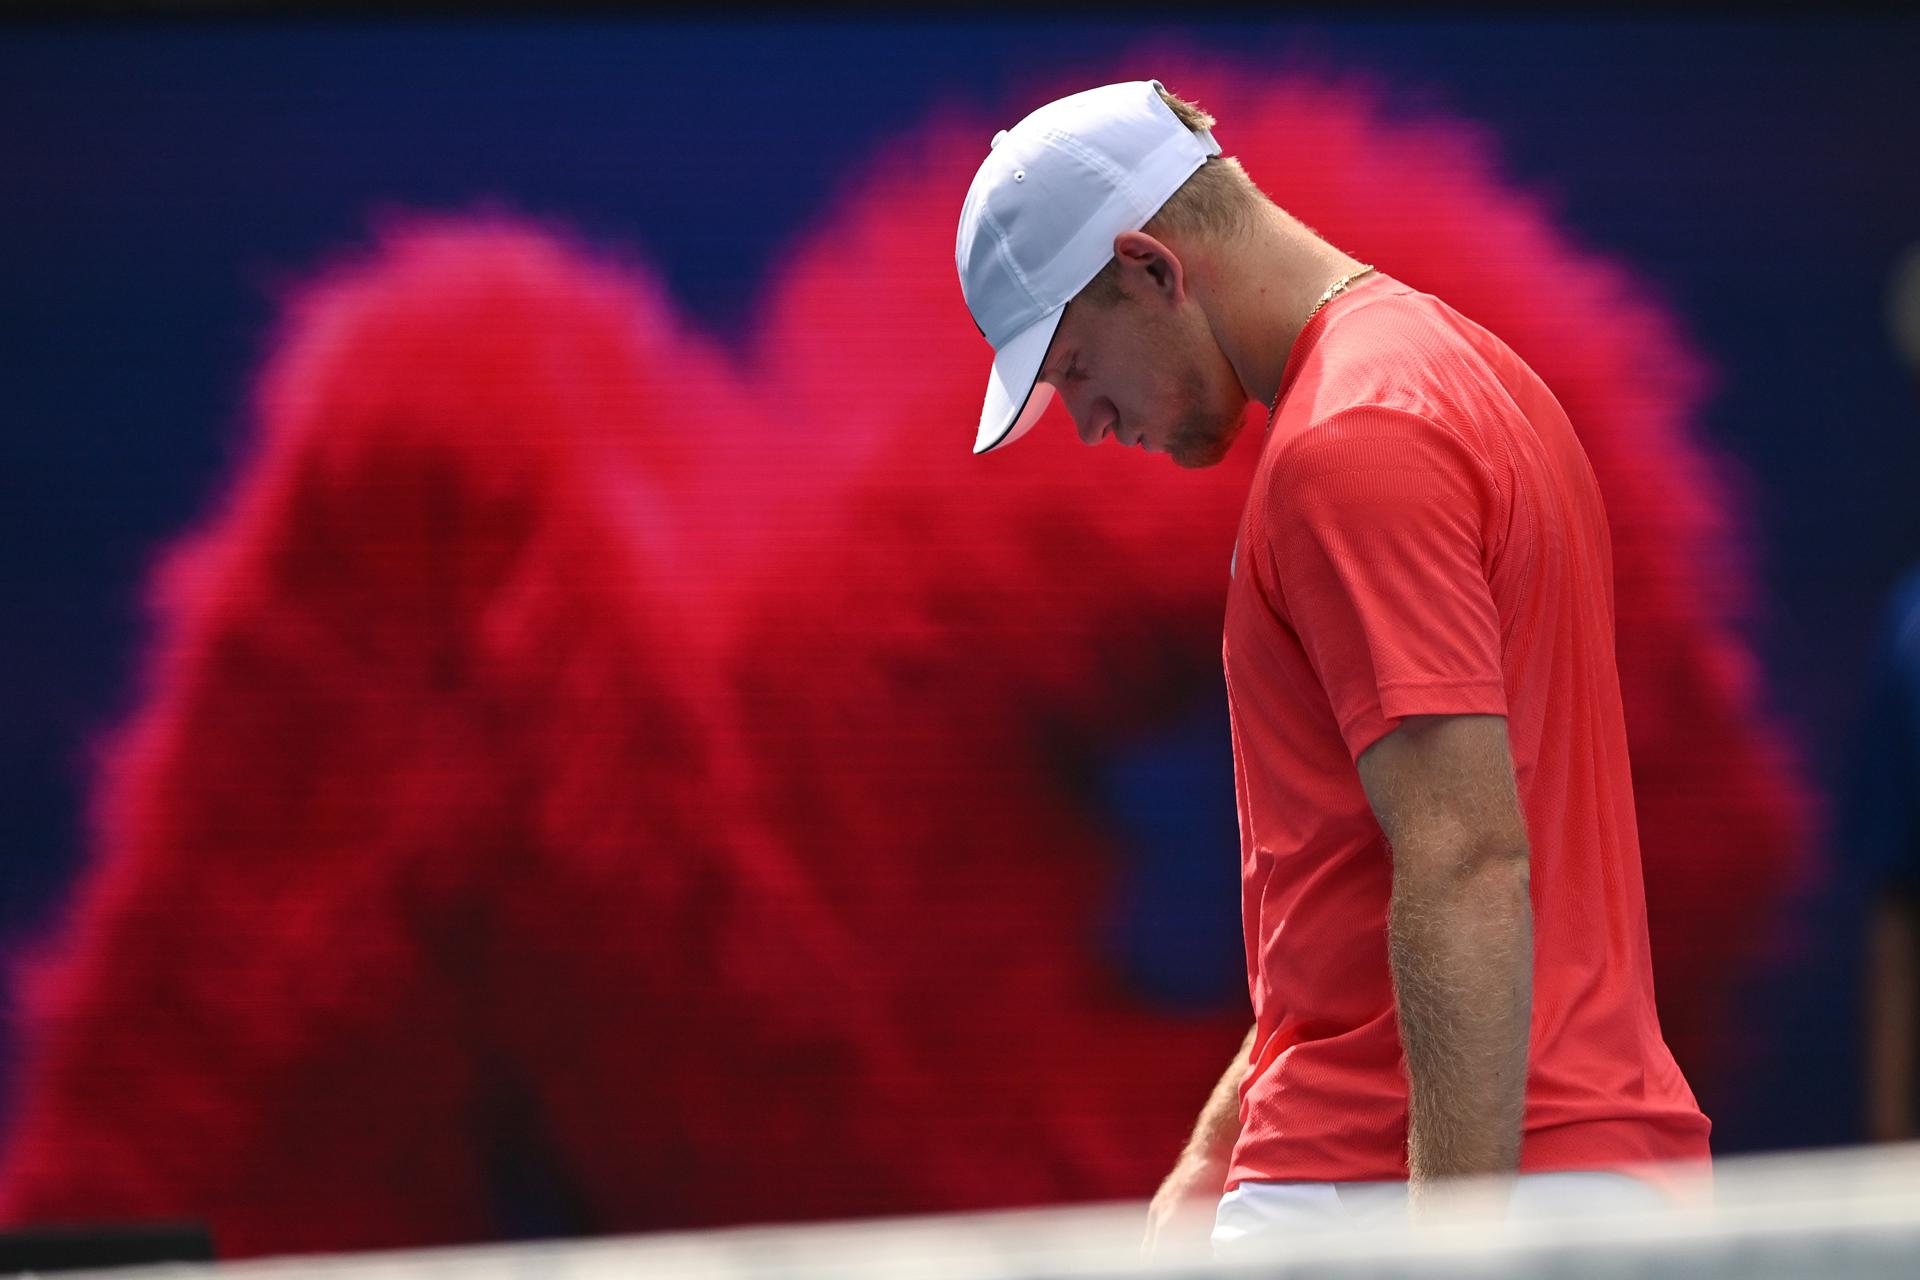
(1259, 289)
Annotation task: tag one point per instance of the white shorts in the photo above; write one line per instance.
(1255, 1211)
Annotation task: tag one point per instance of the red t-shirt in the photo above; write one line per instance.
(1424, 535)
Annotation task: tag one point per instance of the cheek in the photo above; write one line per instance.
(1150, 372)
(1146, 373)
(1177, 375)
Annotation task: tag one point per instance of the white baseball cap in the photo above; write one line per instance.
(1039, 224)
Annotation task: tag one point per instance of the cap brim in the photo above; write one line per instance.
(1015, 396)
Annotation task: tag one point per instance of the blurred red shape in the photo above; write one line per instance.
(567, 742)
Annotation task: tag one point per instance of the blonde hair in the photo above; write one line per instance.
(1219, 200)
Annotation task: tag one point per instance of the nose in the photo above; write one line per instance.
(1092, 426)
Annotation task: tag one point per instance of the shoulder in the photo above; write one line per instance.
(1903, 602)
(1365, 438)
(1401, 349)
(1384, 325)
(1899, 640)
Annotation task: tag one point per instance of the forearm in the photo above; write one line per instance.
(1460, 942)
(1183, 1207)
(1219, 1125)
(1892, 1002)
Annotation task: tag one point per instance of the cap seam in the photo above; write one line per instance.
(1119, 177)
(1199, 160)
(1005, 253)
(1074, 292)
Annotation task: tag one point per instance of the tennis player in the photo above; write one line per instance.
(1444, 923)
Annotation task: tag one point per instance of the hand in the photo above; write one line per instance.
(1180, 1217)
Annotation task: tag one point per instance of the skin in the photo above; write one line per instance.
(1893, 1013)
(1460, 947)
(1203, 330)
(1459, 940)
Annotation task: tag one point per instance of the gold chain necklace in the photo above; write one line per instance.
(1334, 290)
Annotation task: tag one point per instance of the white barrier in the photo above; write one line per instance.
(1837, 1215)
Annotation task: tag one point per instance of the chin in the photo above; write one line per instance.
(1197, 450)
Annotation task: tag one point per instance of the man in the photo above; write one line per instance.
(1880, 830)
(1444, 923)
(1880, 820)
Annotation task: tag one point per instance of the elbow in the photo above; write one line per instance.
(1507, 857)
(1506, 876)
(1484, 892)
(1487, 868)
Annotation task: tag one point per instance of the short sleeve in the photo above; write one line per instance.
(1375, 521)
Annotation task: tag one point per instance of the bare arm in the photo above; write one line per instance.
(1219, 1125)
(1892, 1002)
(1184, 1204)
(1460, 938)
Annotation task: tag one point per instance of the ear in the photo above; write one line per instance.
(1148, 266)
